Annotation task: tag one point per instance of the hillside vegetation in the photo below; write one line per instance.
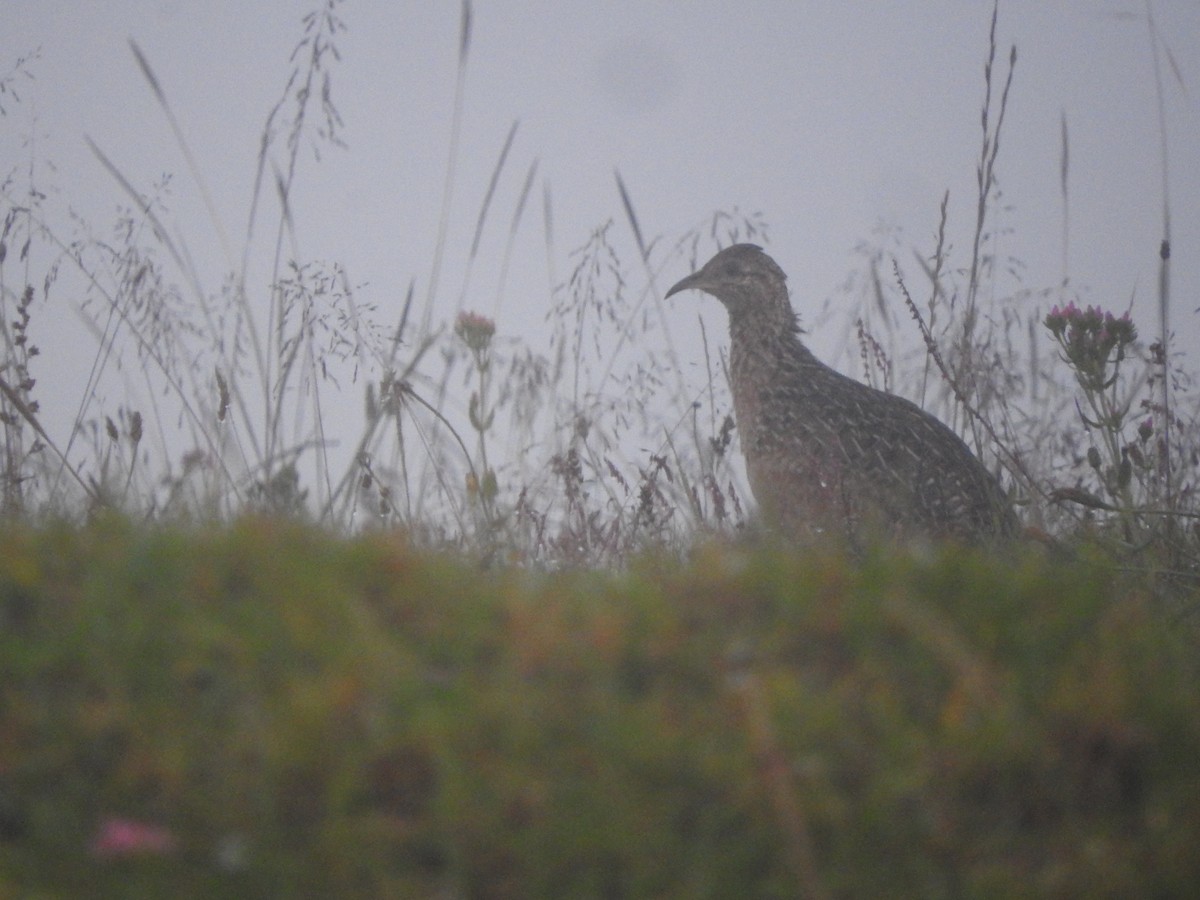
(266, 710)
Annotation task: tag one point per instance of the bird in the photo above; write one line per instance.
(828, 457)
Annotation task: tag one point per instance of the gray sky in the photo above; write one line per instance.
(827, 118)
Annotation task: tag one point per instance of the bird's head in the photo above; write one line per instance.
(742, 277)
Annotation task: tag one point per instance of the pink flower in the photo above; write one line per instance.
(475, 330)
(1056, 321)
(1088, 338)
(119, 838)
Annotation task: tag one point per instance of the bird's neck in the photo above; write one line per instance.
(767, 339)
(769, 362)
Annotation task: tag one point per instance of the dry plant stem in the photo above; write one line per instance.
(439, 247)
(188, 157)
(1014, 463)
(548, 238)
(444, 383)
(934, 274)
(407, 391)
(144, 345)
(369, 434)
(985, 173)
(488, 196)
(15, 399)
(317, 45)
(651, 291)
(1164, 270)
(1065, 189)
(1108, 412)
(160, 231)
(133, 458)
(709, 386)
(274, 383)
(183, 262)
(510, 242)
(438, 471)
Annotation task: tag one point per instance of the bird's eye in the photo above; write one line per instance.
(733, 270)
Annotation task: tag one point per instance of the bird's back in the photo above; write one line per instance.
(827, 454)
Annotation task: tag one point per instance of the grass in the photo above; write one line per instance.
(310, 716)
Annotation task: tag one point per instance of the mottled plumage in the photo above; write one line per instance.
(825, 454)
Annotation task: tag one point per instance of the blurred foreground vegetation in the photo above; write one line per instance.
(289, 713)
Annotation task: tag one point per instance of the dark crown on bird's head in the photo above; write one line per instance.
(741, 276)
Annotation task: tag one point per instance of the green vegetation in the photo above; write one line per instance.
(306, 715)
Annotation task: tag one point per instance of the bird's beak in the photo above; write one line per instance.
(693, 281)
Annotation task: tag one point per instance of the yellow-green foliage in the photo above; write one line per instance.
(312, 716)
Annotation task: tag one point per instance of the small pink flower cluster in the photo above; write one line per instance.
(1089, 336)
(119, 838)
(476, 331)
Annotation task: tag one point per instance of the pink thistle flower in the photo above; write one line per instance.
(1056, 320)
